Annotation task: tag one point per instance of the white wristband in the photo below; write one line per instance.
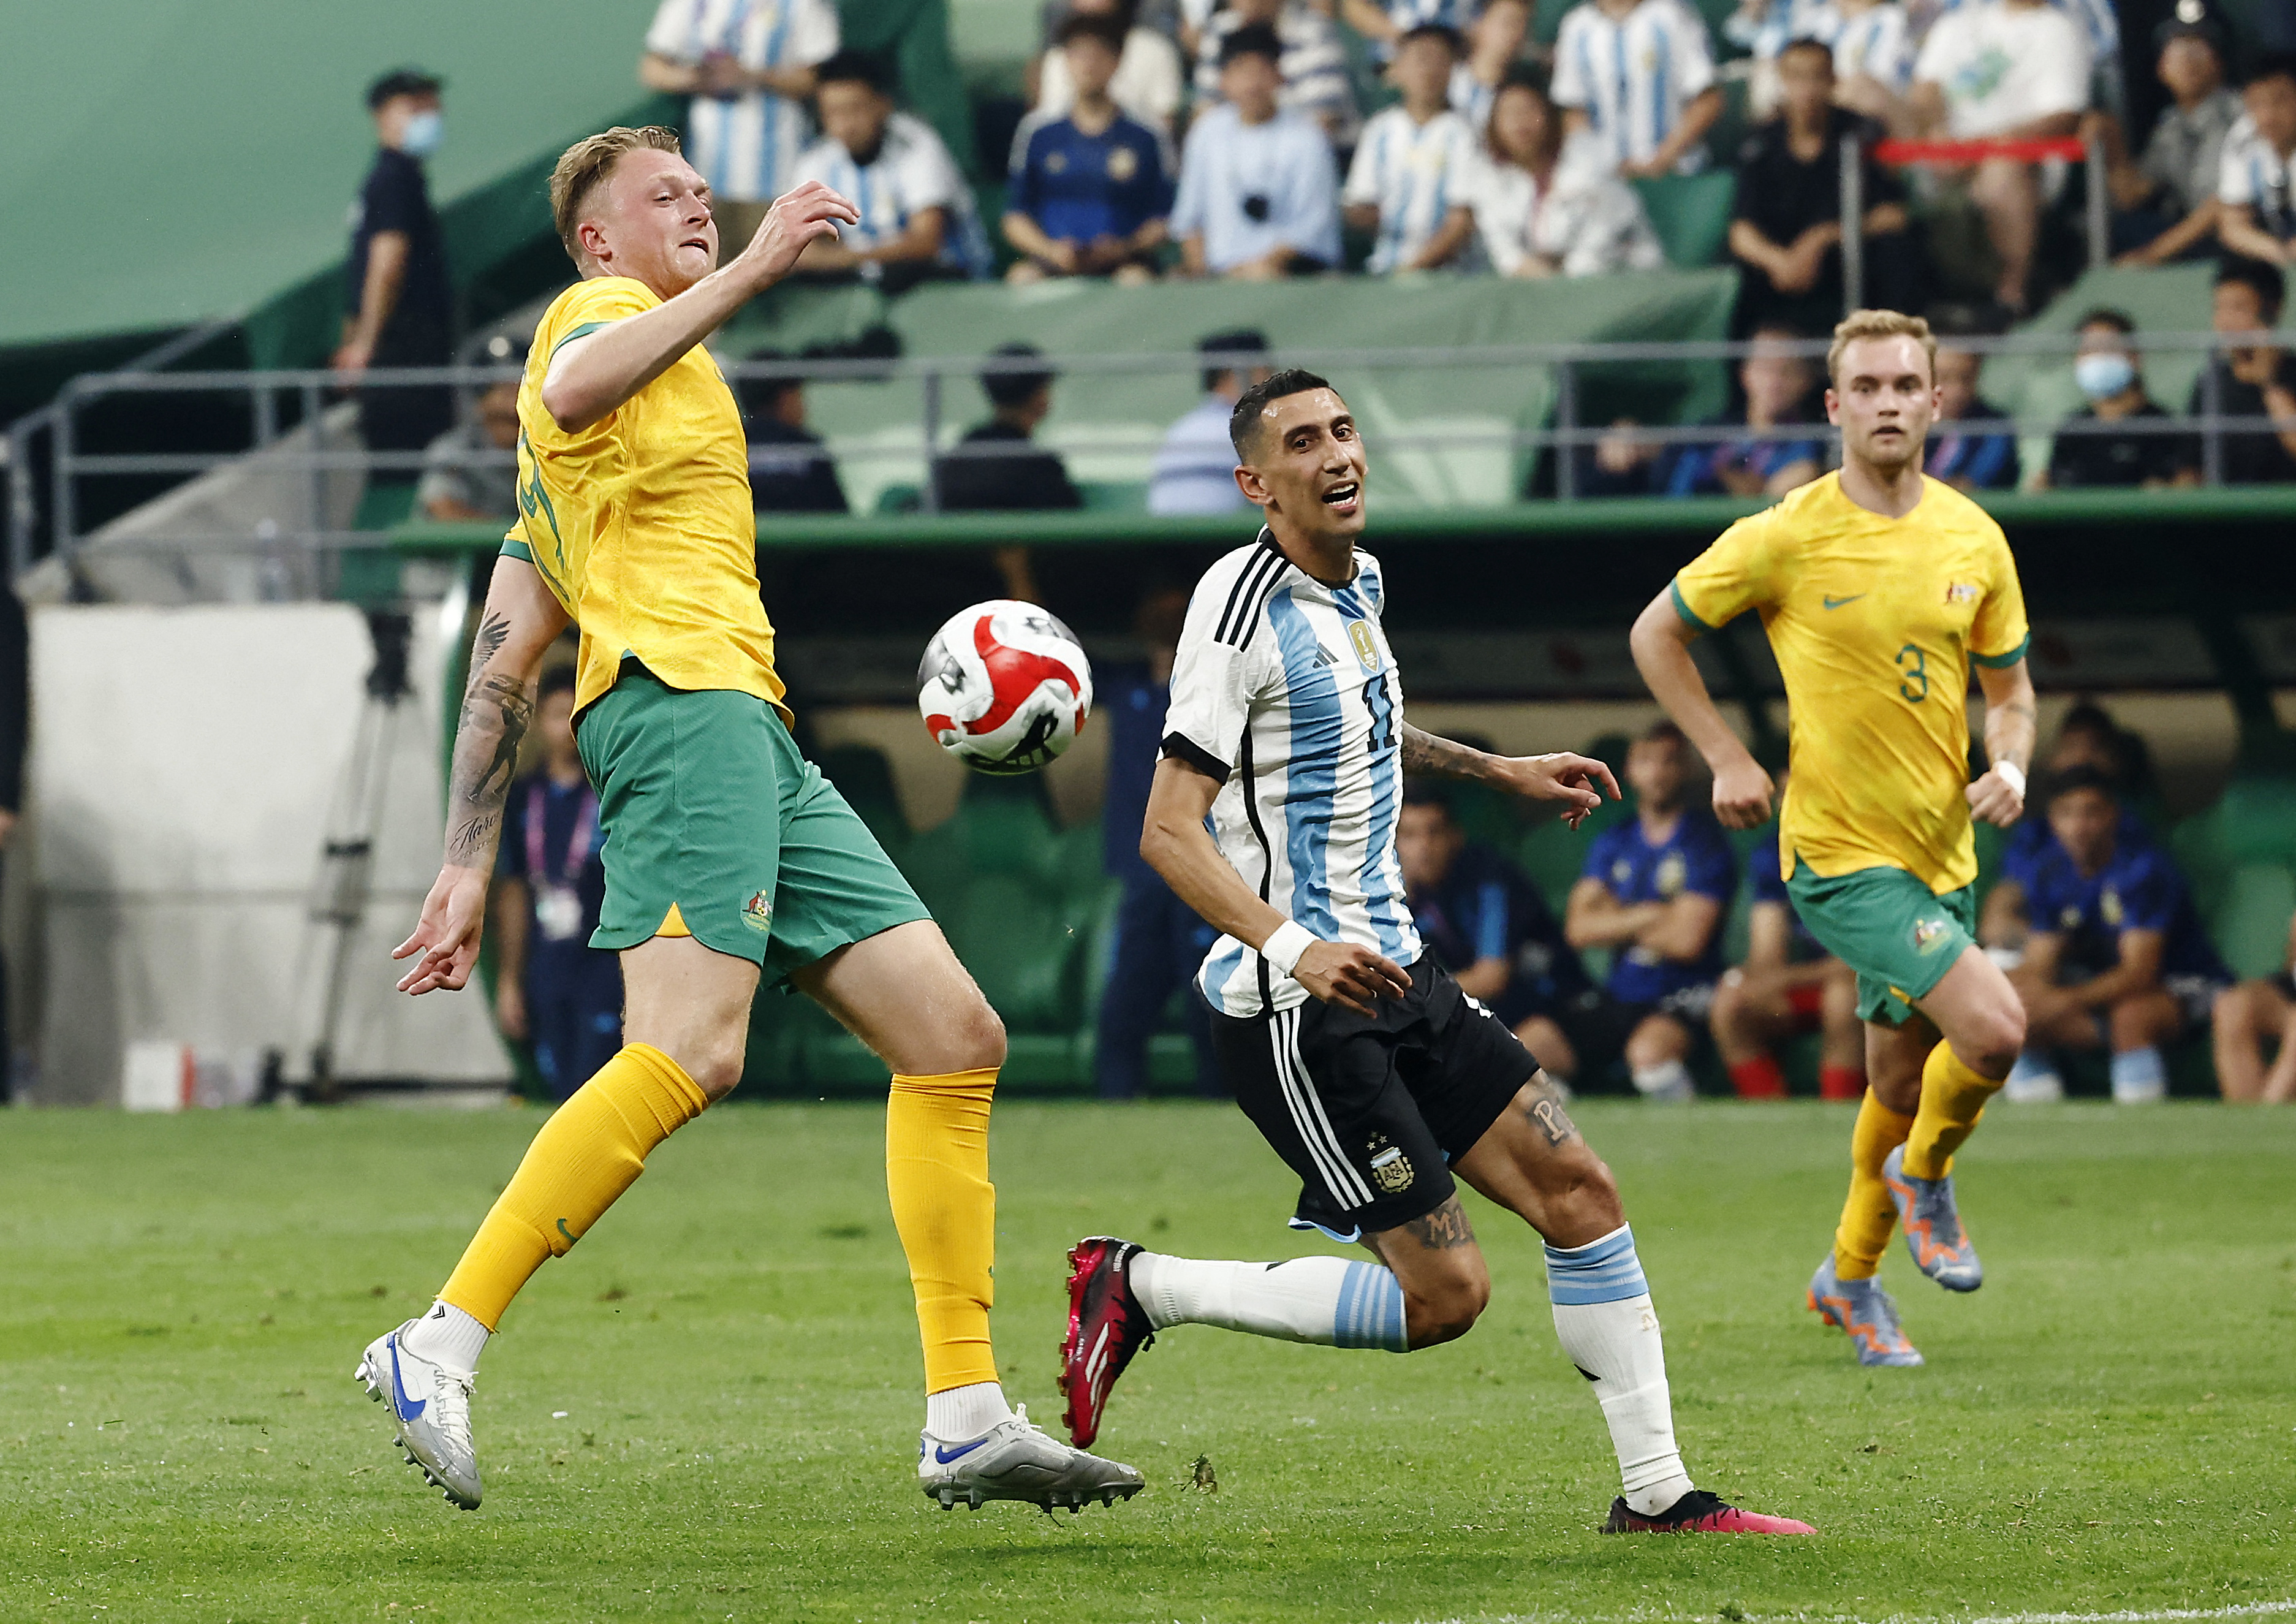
(2012, 775)
(1285, 944)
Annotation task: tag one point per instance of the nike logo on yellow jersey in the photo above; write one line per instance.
(1833, 603)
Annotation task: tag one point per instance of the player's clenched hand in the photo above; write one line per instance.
(797, 218)
(1741, 794)
(1994, 799)
(446, 936)
(1351, 976)
(1578, 782)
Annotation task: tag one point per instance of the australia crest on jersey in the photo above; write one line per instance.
(1928, 935)
(757, 912)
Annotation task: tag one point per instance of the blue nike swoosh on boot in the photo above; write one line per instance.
(946, 1455)
(408, 1411)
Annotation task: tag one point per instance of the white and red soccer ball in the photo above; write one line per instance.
(1005, 687)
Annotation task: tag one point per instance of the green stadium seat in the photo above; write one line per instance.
(901, 499)
(1114, 495)
(1691, 213)
(384, 505)
(2250, 923)
(1012, 934)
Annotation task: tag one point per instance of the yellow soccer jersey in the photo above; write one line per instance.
(1873, 621)
(642, 524)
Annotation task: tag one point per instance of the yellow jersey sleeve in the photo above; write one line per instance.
(1739, 573)
(578, 312)
(2000, 634)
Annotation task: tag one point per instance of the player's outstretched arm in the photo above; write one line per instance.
(519, 622)
(1998, 796)
(1578, 782)
(591, 375)
(1175, 844)
(1661, 644)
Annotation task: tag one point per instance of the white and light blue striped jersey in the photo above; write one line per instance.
(1415, 173)
(1457, 15)
(2251, 175)
(911, 173)
(1877, 42)
(746, 145)
(1285, 688)
(1632, 76)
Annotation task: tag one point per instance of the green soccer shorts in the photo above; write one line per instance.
(714, 821)
(1891, 928)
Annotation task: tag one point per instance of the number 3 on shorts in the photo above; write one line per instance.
(1913, 679)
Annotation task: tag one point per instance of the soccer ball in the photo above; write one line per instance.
(1004, 687)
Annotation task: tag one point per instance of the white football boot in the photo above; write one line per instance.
(431, 1413)
(1015, 1461)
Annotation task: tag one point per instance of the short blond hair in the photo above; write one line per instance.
(1878, 324)
(582, 166)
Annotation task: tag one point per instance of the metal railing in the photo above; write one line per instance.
(46, 451)
(2096, 215)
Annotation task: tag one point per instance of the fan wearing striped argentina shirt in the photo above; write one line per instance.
(1273, 816)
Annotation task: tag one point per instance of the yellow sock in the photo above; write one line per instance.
(593, 1148)
(1868, 1215)
(1953, 1097)
(936, 1172)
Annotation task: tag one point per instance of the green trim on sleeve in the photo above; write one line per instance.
(1996, 661)
(1683, 609)
(512, 547)
(582, 332)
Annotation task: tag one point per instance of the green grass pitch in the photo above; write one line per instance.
(710, 1410)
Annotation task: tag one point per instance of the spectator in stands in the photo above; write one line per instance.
(1259, 193)
(1157, 942)
(1963, 455)
(2117, 955)
(2005, 70)
(2112, 378)
(2165, 203)
(1383, 24)
(1494, 45)
(1088, 194)
(1872, 43)
(1486, 922)
(399, 305)
(1311, 62)
(1785, 986)
(1194, 471)
(995, 466)
(1544, 205)
(1414, 158)
(1786, 224)
(2088, 739)
(917, 218)
(2255, 1031)
(791, 470)
(552, 987)
(1146, 82)
(1639, 75)
(750, 71)
(2254, 183)
(2252, 380)
(1778, 452)
(471, 471)
(1654, 892)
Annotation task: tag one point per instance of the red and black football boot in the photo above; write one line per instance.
(1106, 1327)
(1700, 1513)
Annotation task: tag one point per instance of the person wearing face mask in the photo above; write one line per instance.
(2114, 384)
(398, 305)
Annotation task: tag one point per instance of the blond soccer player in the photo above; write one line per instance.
(728, 856)
(1879, 589)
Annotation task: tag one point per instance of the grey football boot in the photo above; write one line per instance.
(431, 1413)
(1016, 1461)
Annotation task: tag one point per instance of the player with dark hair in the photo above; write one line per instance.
(1880, 588)
(1273, 814)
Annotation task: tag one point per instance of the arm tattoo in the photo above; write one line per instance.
(1423, 752)
(1546, 1113)
(1444, 1229)
(498, 708)
(2010, 730)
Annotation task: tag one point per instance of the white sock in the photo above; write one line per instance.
(2139, 1076)
(1603, 1317)
(957, 1413)
(1668, 1081)
(448, 1337)
(1332, 1301)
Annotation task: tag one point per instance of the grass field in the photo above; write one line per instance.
(708, 1410)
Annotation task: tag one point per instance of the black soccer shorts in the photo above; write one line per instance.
(1369, 1110)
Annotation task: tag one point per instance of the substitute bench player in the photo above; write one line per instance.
(1273, 814)
(1879, 589)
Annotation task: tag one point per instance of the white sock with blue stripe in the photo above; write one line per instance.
(1603, 1317)
(1330, 1300)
